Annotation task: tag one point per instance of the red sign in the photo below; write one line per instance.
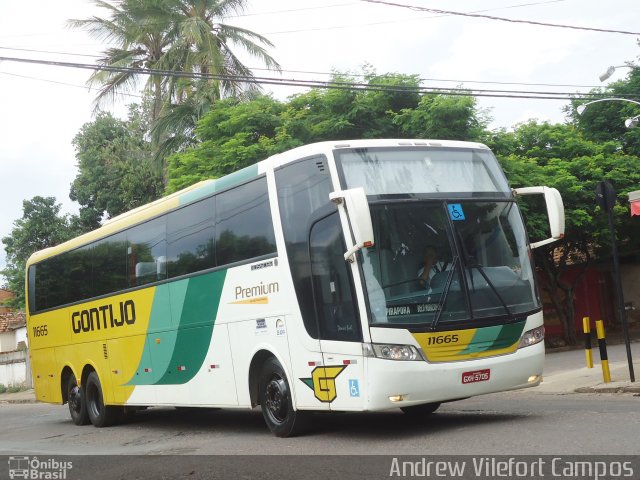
(635, 208)
(476, 376)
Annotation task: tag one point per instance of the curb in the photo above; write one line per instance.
(619, 389)
(18, 400)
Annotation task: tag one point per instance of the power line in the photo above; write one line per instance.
(502, 19)
(386, 22)
(61, 83)
(290, 10)
(321, 84)
(50, 51)
(422, 79)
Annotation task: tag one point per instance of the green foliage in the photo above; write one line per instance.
(560, 156)
(604, 121)
(443, 117)
(115, 169)
(236, 133)
(41, 226)
(3, 388)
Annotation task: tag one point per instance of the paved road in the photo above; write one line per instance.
(546, 420)
(523, 422)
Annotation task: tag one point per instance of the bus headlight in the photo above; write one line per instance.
(532, 337)
(391, 352)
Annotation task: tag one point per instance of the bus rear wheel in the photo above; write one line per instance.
(101, 415)
(76, 402)
(276, 402)
(421, 410)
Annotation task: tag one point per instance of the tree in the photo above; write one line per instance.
(233, 135)
(140, 30)
(115, 168)
(605, 121)
(41, 226)
(238, 133)
(560, 156)
(186, 36)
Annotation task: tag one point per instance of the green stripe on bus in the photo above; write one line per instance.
(509, 334)
(494, 338)
(197, 318)
(218, 184)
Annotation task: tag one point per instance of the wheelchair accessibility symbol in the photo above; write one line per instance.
(354, 389)
(455, 211)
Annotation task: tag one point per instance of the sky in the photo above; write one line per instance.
(43, 107)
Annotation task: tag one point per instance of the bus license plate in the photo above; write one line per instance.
(476, 376)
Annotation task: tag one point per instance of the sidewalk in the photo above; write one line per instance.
(564, 372)
(28, 396)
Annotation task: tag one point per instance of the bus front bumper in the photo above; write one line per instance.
(413, 383)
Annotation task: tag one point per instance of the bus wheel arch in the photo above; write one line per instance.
(255, 369)
(65, 375)
(86, 371)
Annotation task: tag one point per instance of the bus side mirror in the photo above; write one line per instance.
(555, 211)
(354, 201)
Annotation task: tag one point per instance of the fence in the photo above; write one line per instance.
(15, 369)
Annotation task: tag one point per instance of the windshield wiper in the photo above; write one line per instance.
(468, 262)
(480, 269)
(445, 292)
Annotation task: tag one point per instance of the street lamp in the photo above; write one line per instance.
(629, 122)
(605, 76)
(632, 122)
(606, 197)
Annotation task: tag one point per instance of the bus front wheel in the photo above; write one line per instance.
(421, 410)
(276, 403)
(101, 415)
(76, 402)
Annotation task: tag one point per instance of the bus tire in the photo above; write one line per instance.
(101, 415)
(421, 410)
(76, 402)
(276, 403)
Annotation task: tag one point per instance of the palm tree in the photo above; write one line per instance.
(186, 36)
(205, 46)
(138, 30)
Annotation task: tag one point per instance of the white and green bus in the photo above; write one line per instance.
(340, 276)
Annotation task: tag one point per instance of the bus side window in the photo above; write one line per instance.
(332, 286)
(303, 191)
(147, 252)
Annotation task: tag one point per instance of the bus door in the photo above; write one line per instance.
(339, 381)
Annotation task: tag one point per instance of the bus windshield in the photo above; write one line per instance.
(441, 262)
(411, 170)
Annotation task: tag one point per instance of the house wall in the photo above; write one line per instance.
(13, 368)
(7, 341)
(630, 275)
(21, 336)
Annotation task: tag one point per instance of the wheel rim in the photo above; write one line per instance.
(75, 399)
(277, 399)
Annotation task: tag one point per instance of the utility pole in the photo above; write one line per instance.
(606, 198)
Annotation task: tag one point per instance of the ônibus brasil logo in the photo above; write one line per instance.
(34, 468)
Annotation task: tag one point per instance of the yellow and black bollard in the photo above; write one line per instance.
(586, 327)
(602, 344)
